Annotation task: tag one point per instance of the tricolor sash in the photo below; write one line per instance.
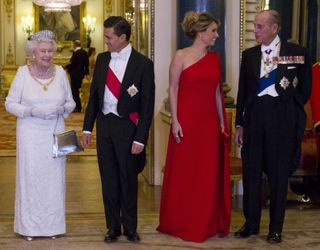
(114, 85)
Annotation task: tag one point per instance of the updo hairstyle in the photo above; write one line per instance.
(194, 22)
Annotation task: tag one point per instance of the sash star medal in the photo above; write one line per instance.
(284, 83)
(295, 82)
(132, 90)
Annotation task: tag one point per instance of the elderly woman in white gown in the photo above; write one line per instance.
(40, 97)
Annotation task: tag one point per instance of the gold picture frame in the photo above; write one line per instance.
(67, 26)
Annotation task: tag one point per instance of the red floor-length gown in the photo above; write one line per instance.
(196, 200)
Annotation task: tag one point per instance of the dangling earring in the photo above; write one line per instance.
(33, 57)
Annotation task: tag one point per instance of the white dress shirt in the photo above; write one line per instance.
(274, 46)
(118, 65)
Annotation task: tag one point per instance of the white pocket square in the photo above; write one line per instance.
(291, 67)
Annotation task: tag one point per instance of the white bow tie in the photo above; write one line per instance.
(268, 51)
(116, 55)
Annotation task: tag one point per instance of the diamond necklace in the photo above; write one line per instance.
(44, 85)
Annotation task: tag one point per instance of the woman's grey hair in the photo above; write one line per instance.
(32, 45)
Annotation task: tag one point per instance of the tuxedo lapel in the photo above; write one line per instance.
(256, 63)
(103, 73)
(130, 70)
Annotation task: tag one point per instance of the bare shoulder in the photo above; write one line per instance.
(180, 56)
(180, 53)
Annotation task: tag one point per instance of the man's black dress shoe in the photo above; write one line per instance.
(274, 237)
(112, 236)
(245, 232)
(132, 235)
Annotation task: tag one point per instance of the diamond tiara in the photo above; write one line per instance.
(43, 35)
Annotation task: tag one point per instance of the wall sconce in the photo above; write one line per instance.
(143, 5)
(89, 27)
(129, 15)
(27, 24)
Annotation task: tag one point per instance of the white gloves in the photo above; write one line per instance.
(47, 113)
(60, 110)
(27, 112)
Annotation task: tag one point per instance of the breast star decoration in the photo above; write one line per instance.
(284, 83)
(132, 90)
(295, 82)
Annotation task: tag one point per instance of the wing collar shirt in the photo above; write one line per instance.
(118, 65)
(270, 51)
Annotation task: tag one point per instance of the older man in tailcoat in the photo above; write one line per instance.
(274, 85)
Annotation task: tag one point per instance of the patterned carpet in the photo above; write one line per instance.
(8, 132)
(87, 232)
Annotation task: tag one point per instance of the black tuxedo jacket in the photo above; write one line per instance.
(79, 64)
(250, 74)
(139, 72)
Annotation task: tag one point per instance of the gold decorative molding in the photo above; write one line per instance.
(152, 134)
(242, 26)
(152, 15)
(248, 10)
(9, 8)
(10, 56)
(108, 7)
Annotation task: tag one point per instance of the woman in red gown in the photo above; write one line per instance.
(196, 200)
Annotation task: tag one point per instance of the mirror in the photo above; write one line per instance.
(137, 12)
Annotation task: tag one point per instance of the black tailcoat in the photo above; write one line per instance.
(115, 135)
(273, 129)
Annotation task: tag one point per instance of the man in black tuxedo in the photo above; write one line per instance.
(122, 102)
(274, 85)
(78, 68)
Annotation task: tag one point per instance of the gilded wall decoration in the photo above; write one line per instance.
(9, 8)
(108, 7)
(9, 56)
